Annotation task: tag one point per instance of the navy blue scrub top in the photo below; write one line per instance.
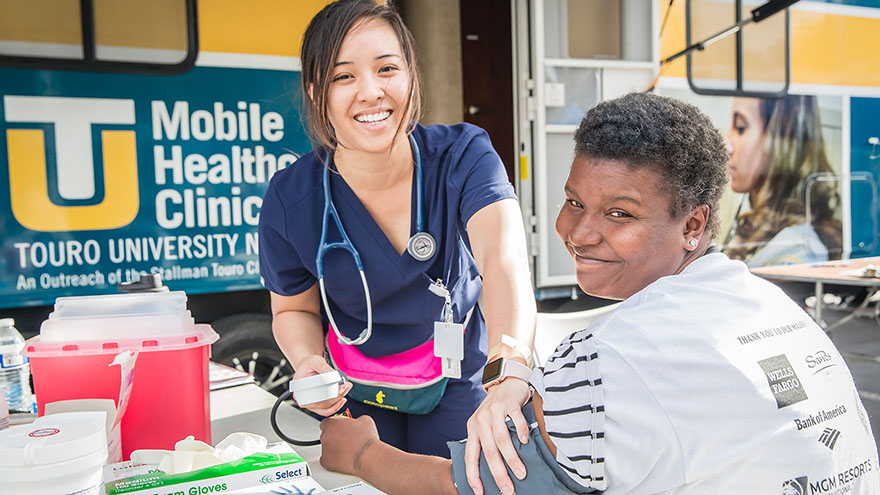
(462, 173)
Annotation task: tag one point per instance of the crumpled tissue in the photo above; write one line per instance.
(190, 454)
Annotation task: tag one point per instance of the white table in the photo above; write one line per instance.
(831, 272)
(246, 408)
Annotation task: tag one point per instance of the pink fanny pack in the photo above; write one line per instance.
(413, 368)
(410, 382)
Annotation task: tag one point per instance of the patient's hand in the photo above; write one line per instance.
(344, 441)
(487, 431)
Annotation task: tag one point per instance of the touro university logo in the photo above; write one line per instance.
(797, 486)
(47, 158)
(783, 381)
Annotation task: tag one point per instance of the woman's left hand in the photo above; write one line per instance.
(487, 431)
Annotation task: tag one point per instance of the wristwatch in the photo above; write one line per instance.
(498, 370)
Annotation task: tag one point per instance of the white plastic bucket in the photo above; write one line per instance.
(59, 454)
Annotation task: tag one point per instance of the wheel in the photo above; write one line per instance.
(246, 343)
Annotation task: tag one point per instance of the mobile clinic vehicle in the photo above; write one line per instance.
(140, 137)
(573, 54)
(144, 142)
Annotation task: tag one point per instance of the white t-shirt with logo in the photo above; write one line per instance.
(709, 381)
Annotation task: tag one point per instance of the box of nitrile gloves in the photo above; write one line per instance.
(278, 463)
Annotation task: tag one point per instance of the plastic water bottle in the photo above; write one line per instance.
(14, 369)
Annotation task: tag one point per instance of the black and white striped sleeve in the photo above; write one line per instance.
(574, 408)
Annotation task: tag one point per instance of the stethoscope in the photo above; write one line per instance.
(420, 246)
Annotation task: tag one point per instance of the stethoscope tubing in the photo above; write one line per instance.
(417, 158)
(346, 244)
(367, 332)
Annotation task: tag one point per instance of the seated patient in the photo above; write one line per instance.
(706, 379)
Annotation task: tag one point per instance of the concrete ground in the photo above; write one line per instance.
(858, 341)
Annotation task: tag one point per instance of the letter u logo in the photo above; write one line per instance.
(72, 119)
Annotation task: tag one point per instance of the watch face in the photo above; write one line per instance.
(492, 371)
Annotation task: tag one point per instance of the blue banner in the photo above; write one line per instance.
(864, 157)
(105, 176)
(854, 3)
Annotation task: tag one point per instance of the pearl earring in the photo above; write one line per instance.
(692, 243)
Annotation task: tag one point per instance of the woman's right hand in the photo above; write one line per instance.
(314, 365)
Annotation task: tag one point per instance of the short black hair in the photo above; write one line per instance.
(667, 135)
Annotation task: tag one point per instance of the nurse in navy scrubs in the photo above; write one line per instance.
(391, 182)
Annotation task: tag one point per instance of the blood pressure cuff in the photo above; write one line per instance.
(543, 473)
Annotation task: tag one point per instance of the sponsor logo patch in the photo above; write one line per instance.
(841, 482)
(784, 383)
(819, 361)
(797, 486)
(829, 437)
(820, 417)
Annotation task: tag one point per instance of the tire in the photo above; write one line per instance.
(246, 343)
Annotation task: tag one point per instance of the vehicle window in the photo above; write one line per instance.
(103, 35)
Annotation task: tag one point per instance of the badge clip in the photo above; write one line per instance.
(448, 335)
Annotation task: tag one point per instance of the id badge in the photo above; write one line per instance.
(449, 340)
(449, 347)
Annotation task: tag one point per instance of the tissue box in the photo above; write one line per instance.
(278, 463)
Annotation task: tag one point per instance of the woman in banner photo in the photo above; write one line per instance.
(778, 159)
(703, 380)
(398, 229)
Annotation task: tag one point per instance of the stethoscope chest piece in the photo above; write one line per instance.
(421, 246)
